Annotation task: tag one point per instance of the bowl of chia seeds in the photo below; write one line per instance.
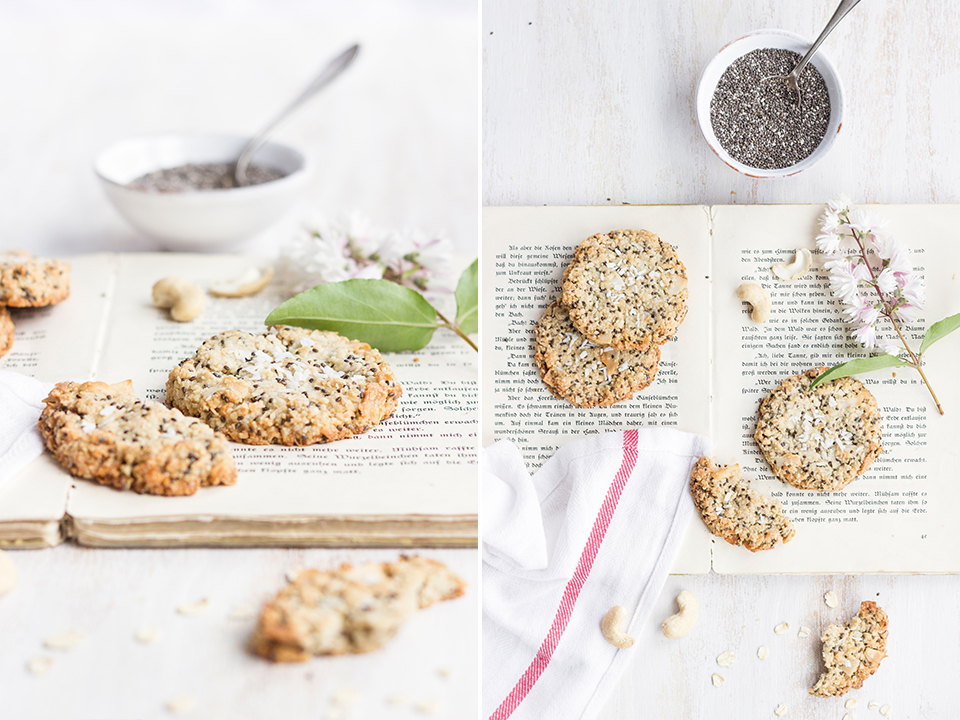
(179, 188)
(753, 121)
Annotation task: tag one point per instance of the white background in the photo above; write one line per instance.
(591, 103)
(395, 139)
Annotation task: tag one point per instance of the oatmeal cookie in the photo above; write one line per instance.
(285, 386)
(28, 281)
(626, 289)
(852, 652)
(350, 609)
(586, 374)
(105, 433)
(7, 331)
(819, 439)
(734, 512)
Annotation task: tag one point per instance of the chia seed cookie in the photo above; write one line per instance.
(852, 652)
(626, 289)
(350, 609)
(7, 331)
(105, 433)
(819, 439)
(586, 374)
(734, 512)
(285, 386)
(28, 281)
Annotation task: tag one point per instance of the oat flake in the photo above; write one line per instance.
(781, 628)
(726, 658)
(830, 598)
(181, 705)
(850, 704)
(398, 699)
(717, 680)
(762, 652)
(242, 612)
(847, 716)
(194, 608)
(886, 710)
(781, 710)
(64, 641)
(427, 707)
(804, 632)
(148, 634)
(873, 705)
(40, 665)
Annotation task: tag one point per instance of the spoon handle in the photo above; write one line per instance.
(324, 78)
(843, 8)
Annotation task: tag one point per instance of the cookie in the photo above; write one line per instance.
(285, 386)
(734, 512)
(350, 609)
(583, 373)
(852, 652)
(105, 433)
(7, 331)
(819, 439)
(28, 281)
(626, 289)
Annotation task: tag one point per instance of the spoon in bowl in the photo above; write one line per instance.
(792, 80)
(324, 78)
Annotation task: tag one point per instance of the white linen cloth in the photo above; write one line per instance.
(21, 401)
(598, 525)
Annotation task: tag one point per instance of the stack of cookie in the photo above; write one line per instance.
(624, 295)
(26, 281)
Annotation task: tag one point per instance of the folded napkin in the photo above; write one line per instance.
(598, 525)
(21, 401)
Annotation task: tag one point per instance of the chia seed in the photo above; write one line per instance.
(755, 115)
(200, 176)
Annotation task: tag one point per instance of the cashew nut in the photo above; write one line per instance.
(676, 626)
(759, 301)
(184, 298)
(802, 261)
(254, 279)
(611, 627)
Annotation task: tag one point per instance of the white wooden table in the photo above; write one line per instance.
(591, 103)
(395, 140)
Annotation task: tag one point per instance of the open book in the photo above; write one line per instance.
(409, 481)
(897, 517)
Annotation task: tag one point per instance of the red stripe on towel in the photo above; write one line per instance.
(572, 591)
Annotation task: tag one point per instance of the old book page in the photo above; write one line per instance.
(51, 344)
(525, 251)
(898, 516)
(411, 479)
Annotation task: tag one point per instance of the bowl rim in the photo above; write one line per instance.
(304, 170)
(822, 62)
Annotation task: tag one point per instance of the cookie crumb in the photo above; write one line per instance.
(181, 705)
(40, 665)
(64, 641)
(148, 634)
(196, 608)
(444, 672)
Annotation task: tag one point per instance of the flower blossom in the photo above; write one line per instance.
(870, 272)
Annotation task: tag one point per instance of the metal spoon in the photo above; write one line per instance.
(792, 79)
(326, 76)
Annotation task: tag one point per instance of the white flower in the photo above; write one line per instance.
(866, 335)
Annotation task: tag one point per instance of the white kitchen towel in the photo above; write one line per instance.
(21, 401)
(610, 515)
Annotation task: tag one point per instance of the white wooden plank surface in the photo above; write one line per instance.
(591, 103)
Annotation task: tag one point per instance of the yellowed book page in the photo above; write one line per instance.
(525, 251)
(55, 343)
(898, 516)
(420, 462)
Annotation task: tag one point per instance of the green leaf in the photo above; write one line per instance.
(467, 300)
(861, 365)
(939, 330)
(388, 316)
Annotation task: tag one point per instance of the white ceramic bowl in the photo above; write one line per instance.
(208, 220)
(780, 39)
